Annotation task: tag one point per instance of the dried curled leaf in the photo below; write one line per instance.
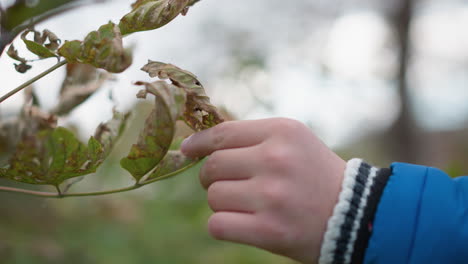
(44, 45)
(199, 113)
(151, 14)
(183, 99)
(81, 81)
(156, 138)
(102, 49)
(51, 155)
(13, 53)
(23, 66)
(23, 14)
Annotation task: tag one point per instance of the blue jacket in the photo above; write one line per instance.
(422, 217)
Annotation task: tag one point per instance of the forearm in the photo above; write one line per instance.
(412, 214)
(350, 226)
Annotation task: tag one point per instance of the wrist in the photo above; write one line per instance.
(350, 226)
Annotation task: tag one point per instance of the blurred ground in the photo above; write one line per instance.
(167, 225)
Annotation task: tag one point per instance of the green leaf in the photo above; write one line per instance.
(39, 46)
(102, 49)
(156, 138)
(39, 50)
(199, 113)
(151, 14)
(50, 155)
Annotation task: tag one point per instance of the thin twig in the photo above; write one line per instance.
(126, 189)
(28, 192)
(33, 80)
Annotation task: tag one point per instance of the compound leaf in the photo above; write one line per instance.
(49, 156)
(102, 49)
(183, 99)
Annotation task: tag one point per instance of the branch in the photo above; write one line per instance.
(33, 80)
(126, 189)
(18, 17)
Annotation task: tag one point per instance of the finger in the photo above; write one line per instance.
(233, 134)
(241, 228)
(229, 164)
(233, 196)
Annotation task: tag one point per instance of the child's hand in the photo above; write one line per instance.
(271, 183)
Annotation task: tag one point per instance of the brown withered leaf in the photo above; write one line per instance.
(48, 39)
(81, 81)
(23, 66)
(13, 53)
(199, 113)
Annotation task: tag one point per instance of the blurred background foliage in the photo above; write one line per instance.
(383, 80)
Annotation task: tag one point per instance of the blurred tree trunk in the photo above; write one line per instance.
(403, 136)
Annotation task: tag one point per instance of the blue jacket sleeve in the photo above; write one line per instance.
(422, 217)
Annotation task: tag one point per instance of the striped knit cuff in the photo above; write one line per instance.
(350, 226)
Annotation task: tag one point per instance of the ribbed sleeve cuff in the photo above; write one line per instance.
(350, 226)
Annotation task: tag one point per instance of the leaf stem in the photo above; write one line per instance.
(33, 80)
(59, 192)
(126, 189)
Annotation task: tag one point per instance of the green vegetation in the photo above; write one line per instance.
(46, 154)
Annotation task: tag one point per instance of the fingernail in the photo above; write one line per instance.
(185, 144)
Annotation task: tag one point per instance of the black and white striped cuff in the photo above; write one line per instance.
(350, 226)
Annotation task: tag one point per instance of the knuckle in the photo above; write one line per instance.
(215, 227)
(288, 126)
(218, 134)
(209, 170)
(211, 164)
(212, 196)
(274, 194)
(278, 157)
